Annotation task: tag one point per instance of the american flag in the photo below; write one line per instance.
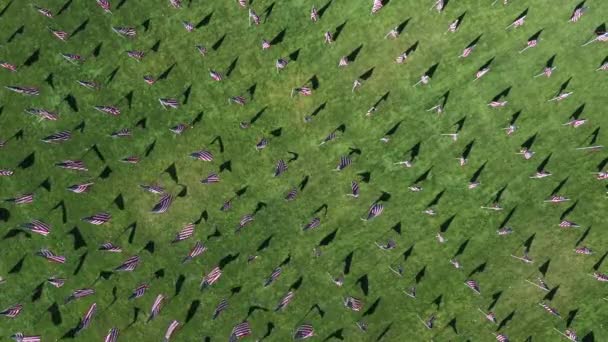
(125, 31)
(201, 49)
(291, 194)
(571, 335)
(128, 265)
(22, 199)
(61, 35)
(377, 6)
(303, 332)
(211, 277)
(170, 330)
(429, 323)
(58, 137)
(211, 178)
(240, 331)
(111, 110)
(467, 51)
(8, 66)
(216, 76)
(188, 26)
(12, 312)
(221, 306)
(175, 3)
(304, 91)
(20, 337)
(240, 100)
(57, 282)
(454, 25)
(472, 284)
(480, 73)
(245, 221)
(197, 250)
(314, 15)
(439, 5)
(44, 11)
(276, 273)
(178, 129)
(343, 61)
(331, 136)
(226, 206)
(497, 104)
(43, 114)
(328, 38)
(104, 4)
(156, 306)
(136, 55)
(88, 317)
(149, 79)
(139, 291)
(568, 224)
(261, 144)
(242, 3)
(600, 277)
(80, 188)
(285, 300)
(280, 64)
(280, 168)
(603, 67)
(490, 316)
(353, 303)
(162, 205)
(169, 103)
(502, 338)
(130, 160)
(549, 309)
(155, 189)
(88, 84)
(577, 14)
(254, 17)
(374, 211)
(5, 172)
(344, 162)
(38, 227)
(557, 199)
(186, 232)
(98, 219)
(72, 58)
(31, 91)
(583, 250)
(505, 231)
(110, 247)
(203, 155)
(519, 21)
(265, 44)
(112, 335)
(314, 223)
(80, 293)
(121, 133)
(354, 187)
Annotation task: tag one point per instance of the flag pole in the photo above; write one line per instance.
(589, 42)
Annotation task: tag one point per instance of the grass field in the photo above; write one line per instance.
(346, 243)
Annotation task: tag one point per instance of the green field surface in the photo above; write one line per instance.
(295, 126)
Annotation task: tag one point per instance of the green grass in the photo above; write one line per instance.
(396, 314)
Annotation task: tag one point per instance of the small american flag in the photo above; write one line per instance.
(72, 58)
(303, 332)
(88, 84)
(344, 162)
(211, 277)
(265, 44)
(467, 51)
(80, 293)
(216, 76)
(549, 309)
(242, 3)
(276, 273)
(38, 227)
(98, 219)
(377, 6)
(80, 188)
(58, 137)
(577, 14)
(110, 247)
(128, 32)
(568, 224)
(88, 317)
(314, 15)
(57, 282)
(454, 25)
(156, 306)
(20, 337)
(8, 66)
(43, 114)
(111, 110)
(155, 189)
(240, 100)
(285, 300)
(203, 155)
(291, 194)
(31, 91)
(44, 11)
(374, 211)
(353, 303)
(149, 79)
(104, 4)
(502, 338)
(261, 144)
(179, 128)
(61, 35)
(188, 26)
(600, 277)
(6, 172)
(139, 291)
(186, 232)
(312, 224)
(504, 231)
(211, 178)
(12, 312)
(171, 330)
(197, 250)
(280, 64)
(221, 306)
(280, 168)
(201, 50)
(254, 17)
(583, 250)
(571, 335)
(112, 335)
(175, 3)
(497, 104)
(240, 331)
(472, 284)
(162, 205)
(22, 199)
(136, 54)
(129, 265)
(328, 38)
(169, 103)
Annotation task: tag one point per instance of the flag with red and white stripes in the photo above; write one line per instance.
(156, 306)
(112, 335)
(12, 311)
(98, 219)
(211, 277)
(186, 232)
(129, 265)
(377, 6)
(139, 291)
(240, 331)
(20, 337)
(50, 256)
(285, 300)
(171, 330)
(197, 250)
(303, 332)
(38, 227)
(85, 322)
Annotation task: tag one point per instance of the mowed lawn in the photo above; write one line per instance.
(346, 243)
